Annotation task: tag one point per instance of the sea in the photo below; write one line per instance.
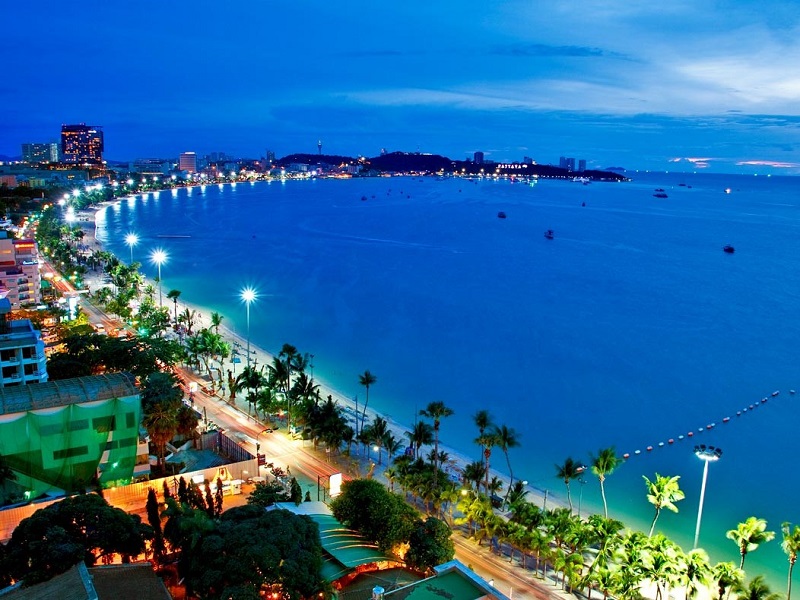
(631, 328)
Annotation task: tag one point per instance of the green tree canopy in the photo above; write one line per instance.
(378, 514)
(84, 527)
(429, 545)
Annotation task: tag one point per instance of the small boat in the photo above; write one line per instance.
(549, 234)
(728, 249)
(660, 195)
(659, 189)
(501, 215)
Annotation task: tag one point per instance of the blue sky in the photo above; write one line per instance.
(679, 85)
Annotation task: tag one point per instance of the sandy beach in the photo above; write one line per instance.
(457, 461)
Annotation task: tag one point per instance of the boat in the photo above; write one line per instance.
(660, 195)
(501, 215)
(728, 249)
(549, 234)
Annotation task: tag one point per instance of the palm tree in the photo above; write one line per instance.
(420, 435)
(506, 438)
(604, 464)
(748, 536)
(698, 571)
(757, 589)
(483, 421)
(726, 574)
(173, 295)
(161, 423)
(664, 492)
(367, 379)
(790, 545)
(216, 321)
(568, 471)
(487, 441)
(436, 411)
(188, 318)
(378, 430)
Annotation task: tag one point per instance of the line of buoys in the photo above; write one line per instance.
(709, 426)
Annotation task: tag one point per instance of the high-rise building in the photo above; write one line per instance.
(188, 162)
(478, 158)
(81, 144)
(566, 162)
(582, 165)
(22, 357)
(20, 280)
(40, 153)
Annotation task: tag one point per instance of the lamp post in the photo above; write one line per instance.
(258, 447)
(248, 295)
(707, 454)
(159, 257)
(131, 239)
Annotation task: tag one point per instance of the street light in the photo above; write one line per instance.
(707, 454)
(159, 257)
(131, 239)
(248, 295)
(258, 445)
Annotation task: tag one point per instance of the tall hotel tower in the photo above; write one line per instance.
(187, 161)
(81, 144)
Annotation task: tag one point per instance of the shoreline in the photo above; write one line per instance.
(457, 460)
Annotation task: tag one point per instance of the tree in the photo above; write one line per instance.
(790, 545)
(436, 411)
(727, 575)
(604, 464)
(216, 321)
(420, 435)
(83, 527)
(697, 572)
(487, 441)
(429, 545)
(380, 515)
(174, 295)
(749, 535)
(506, 438)
(249, 549)
(161, 423)
(663, 492)
(483, 421)
(267, 493)
(757, 589)
(366, 379)
(567, 472)
(154, 519)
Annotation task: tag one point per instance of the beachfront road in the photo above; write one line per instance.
(301, 459)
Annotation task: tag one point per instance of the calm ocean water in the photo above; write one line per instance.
(629, 328)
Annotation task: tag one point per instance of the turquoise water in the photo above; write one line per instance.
(629, 328)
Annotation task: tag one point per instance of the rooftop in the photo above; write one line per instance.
(52, 394)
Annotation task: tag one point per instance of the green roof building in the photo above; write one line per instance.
(63, 436)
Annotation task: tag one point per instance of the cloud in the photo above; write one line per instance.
(768, 163)
(546, 50)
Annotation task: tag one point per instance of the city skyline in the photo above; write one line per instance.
(678, 87)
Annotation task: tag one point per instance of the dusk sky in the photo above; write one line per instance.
(679, 85)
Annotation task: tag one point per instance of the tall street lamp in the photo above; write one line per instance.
(159, 257)
(248, 295)
(707, 454)
(131, 239)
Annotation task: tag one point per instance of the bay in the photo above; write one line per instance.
(629, 328)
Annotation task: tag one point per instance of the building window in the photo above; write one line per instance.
(104, 424)
(130, 420)
(70, 452)
(78, 425)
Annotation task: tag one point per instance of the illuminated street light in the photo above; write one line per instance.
(131, 239)
(159, 257)
(248, 295)
(707, 454)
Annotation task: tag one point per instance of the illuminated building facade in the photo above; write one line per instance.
(22, 357)
(81, 144)
(40, 153)
(188, 162)
(20, 280)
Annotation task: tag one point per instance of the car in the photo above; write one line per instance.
(99, 327)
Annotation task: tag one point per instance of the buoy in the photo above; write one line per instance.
(700, 430)
(738, 413)
(638, 452)
(744, 410)
(626, 455)
(776, 392)
(649, 448)
(752, 407)
(680, 437)
(726, 419)
(791, 391)
(671, 441)
(690, 434)
(764, 400)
